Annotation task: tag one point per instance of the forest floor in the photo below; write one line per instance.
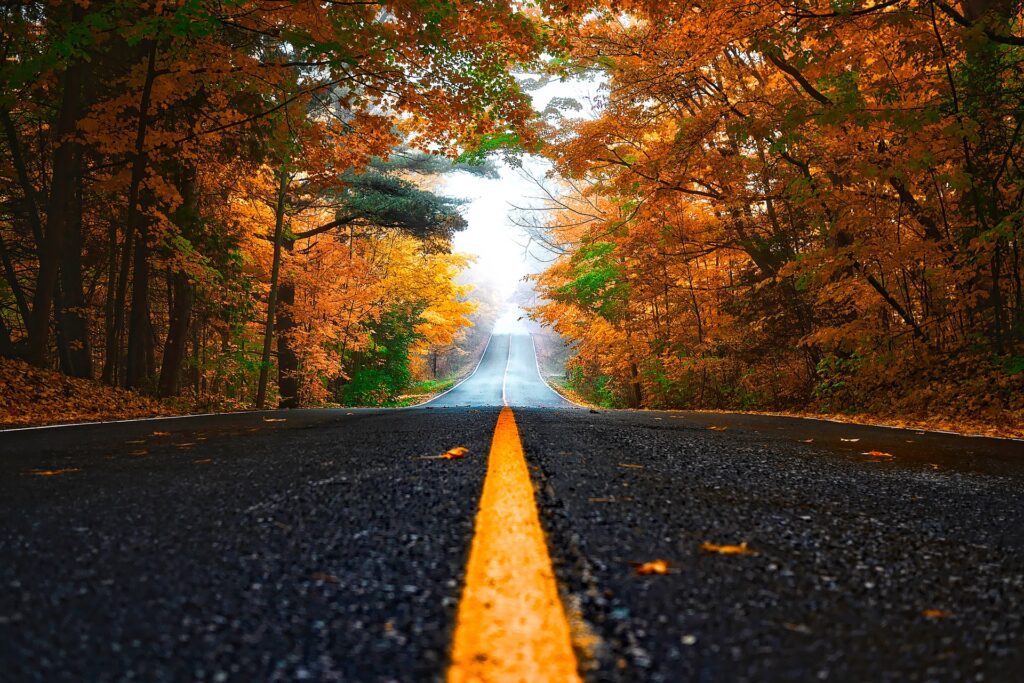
(1008, 425)
(30, 396)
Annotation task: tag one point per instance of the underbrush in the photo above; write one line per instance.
(967, 393)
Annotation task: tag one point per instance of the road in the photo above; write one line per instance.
(336, 545)
(508, 374)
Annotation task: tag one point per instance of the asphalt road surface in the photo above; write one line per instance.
(333, 544)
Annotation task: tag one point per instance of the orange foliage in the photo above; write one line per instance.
(792, 205)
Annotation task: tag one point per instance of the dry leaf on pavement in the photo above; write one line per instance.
(453, 453)
(740, 549)
(53, 473)
(652, 567)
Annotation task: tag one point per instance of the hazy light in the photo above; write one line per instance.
(498, 245)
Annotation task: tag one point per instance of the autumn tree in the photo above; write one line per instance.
(143, 141)
(794, 196)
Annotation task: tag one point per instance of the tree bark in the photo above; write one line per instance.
(275, 273)
(139, 326)
(182, 293)
(177, 335)
(287, 359)
(76, 358)
(65, 173)
(137, 370)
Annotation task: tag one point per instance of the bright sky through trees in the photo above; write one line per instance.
(498, 245)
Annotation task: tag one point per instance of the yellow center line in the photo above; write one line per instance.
(511, 624)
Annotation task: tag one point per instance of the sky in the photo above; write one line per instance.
(497, 244)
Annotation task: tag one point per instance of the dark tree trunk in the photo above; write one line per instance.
(73, 320)
(60, 206)
(177, 335)
(113, 316)
(275, 274)
(287, 359)
(137, 368)
(636, 397)
(182, 293)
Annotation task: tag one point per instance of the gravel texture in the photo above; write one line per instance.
(331, 552)
(331, 544)
(851, 551)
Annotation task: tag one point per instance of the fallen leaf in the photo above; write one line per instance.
(189, 444)
(740, 549)
(454, 453)
(275, 419)
(160, 434)
(53, 473)
(629, 464)
(326, 578)
(850, 440)
(878, 454)
(202, 461)
(716, 428)
(936, 613)
(806, 440)
(140, 452)
(652, 567)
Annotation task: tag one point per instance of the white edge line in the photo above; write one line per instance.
(809, 418)
(134, 419)
(504, 377)
(457, 384)
(536, 360)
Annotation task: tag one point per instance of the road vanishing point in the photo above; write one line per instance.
(565, 544)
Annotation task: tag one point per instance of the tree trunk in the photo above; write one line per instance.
(76, 359)
(182, 292)
(139, 325)
(137, 370)
(287, 359)
(275, 273)
(636, 397)
(65, 173)
(111, 313)
(177, 335)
